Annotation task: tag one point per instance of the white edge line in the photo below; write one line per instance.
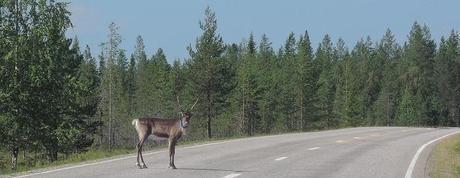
(280, 158)
(232, 175)
(156, 152)
(116, 159)
(83, 165)
(411, 167)
(314, 148)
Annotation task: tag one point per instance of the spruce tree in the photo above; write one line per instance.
(324, 62)
(448, 79)
(306, 85)
(419, 74)
(388, 55)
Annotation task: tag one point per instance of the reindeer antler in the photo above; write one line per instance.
(178, 103)
(194, 104)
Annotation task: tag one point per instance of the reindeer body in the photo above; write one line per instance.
(172, 129)
(163, 128)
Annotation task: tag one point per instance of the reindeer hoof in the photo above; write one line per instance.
(138, 165)
(172, 167)
(144, 166)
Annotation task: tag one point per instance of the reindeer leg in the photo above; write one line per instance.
(138, 147)
(142, 158)
(172, 152)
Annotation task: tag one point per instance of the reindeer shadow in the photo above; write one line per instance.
(210, 169)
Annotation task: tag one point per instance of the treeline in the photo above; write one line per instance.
(56, 98)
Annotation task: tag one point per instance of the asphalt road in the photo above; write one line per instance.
(356, 152)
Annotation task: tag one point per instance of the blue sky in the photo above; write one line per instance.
(173, 25)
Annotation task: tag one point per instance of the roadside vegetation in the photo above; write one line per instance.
(445, 158)
(30, 161)
(59, 102)
(33, 161)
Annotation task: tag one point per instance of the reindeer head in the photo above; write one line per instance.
(186, 114)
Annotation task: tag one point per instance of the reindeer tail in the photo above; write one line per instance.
(134, 122)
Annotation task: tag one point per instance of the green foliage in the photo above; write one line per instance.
(448, 79)
(408, 111)
(208, 72)
(56, 99)
(45, 99)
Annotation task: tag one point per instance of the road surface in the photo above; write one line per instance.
(355, 152)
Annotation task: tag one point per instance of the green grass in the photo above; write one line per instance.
(30, 163)
(445, 158)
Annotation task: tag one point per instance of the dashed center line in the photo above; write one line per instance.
(340, 141)
(280, 158)
(314, 148)
(232, 175)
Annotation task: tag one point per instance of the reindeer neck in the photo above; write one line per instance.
(181, 125)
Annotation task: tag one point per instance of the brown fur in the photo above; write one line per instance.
(165, 128)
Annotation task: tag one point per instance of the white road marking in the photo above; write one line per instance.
(314, 148)
(341, 141)
(116, 159)
(156, 152)
(232, 175)
(83, 165)
(357, 138)
(280, 158)
(411, 167)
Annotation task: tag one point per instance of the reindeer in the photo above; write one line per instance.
(172, 129)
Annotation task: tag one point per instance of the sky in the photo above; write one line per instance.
(173, 24)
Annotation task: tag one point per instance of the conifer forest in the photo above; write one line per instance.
(59, 98)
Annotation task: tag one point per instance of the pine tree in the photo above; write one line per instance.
(206, 71)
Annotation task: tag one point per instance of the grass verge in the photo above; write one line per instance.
(29, 164)
(445, 158)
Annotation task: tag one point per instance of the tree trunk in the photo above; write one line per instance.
(52, 155)
(14, 158)
(209, 114)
